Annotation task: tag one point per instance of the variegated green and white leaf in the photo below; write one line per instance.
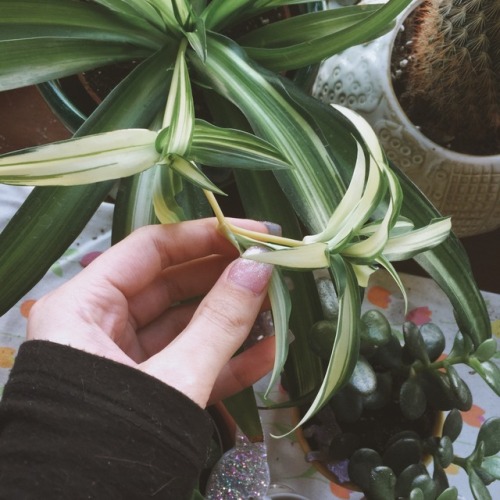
(345, 349)
(167, 185)
(224, 147)
(179, 113)
(311, 256)
(90, 159)
(419, 240)
(281, 308)
(348, 203)
(189, 171)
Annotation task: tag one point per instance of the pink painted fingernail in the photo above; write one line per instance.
(273, 228)
(251, 274)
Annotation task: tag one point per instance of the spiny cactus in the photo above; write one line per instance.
(454, 70)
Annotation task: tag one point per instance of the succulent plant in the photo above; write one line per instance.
(382, 424)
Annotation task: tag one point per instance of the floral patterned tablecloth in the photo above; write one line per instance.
(286, 459)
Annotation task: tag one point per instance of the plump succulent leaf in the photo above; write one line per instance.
(382, 483)
(361, 464)
(452, 426)
(479, 490)
(486, 350)
(412, 398)
(489, 434)
(434, 340)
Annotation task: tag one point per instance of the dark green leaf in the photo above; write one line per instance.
(361, 464)
(347, 405)
(375, 329)
(406, 478)
(402, 453)
(489, 371)
(382, 483)
(426, 485)
(449, 494)
(489, 433)
(445, 452)
(477, 487)
(315, 47)
(461, 391)
(434, 340)
(452, 426)
(322, 337)
(414, 343)
(389, 355)
(412, 399)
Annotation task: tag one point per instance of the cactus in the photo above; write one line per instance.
(453, 71)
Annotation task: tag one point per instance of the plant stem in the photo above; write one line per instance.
(263, 237)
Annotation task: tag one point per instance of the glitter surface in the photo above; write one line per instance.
(242, 473)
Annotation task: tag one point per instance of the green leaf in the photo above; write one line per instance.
(82, 160)
(179, 113)
(412, 399)
(305, 28)
(198, 39)
(486, 350)
(343, 357)
(449, 494)
(453, 423)
(189, 171)
(488, 371)
(137, 8)
(489, 433)
(281, 307)
(479, 490)
(223, 147)
(30, 61)
(315, 49)
(60, 19)
(382, 483)
(492, 466)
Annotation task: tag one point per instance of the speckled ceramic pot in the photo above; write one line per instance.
(464, 186)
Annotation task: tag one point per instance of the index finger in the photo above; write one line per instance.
(134, 262)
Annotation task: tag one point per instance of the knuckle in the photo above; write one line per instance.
(226, 315)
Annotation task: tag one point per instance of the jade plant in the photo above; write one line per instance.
(380, 431)
(316, 170)
(452, 72)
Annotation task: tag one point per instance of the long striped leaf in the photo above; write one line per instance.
(30, 61)
(223, 147)
(281, 308)
(83, 160)
(346, 345)
(315, 49)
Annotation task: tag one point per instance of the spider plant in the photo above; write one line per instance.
(317, 170)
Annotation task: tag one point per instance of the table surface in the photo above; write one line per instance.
(285, 457)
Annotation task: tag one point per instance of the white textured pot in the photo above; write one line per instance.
(464, 186)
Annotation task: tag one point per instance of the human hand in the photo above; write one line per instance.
(139, 304)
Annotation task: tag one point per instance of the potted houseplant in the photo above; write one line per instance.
(430, 90)
(380, 432)
(305, 161)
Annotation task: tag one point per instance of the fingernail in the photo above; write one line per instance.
(251, 274)
(272, 228)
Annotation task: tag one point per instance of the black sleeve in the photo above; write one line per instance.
(77, 426)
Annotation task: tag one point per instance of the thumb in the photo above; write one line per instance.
(192, 362)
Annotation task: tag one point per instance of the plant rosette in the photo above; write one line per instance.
(465, 186)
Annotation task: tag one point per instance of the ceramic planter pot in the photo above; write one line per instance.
(464, 186)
